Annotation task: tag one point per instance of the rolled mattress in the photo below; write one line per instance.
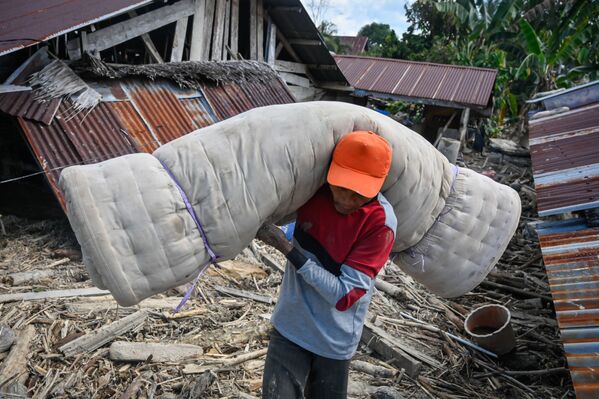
(138, 237)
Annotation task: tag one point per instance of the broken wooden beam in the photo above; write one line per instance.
(153, 352)
(13, 370)
(36, 296)
(373, 369)
(105, 334)
(21, 278)
(390, 289)
(386, 345)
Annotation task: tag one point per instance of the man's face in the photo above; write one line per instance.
(347, 201)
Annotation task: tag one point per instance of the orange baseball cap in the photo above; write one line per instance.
(361, 162)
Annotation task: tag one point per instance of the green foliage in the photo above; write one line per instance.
(382, 40)
(328, 30)
(534, 45)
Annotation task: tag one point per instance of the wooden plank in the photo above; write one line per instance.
(148, 43)
(121, 32)
(103, 335)
(196, 50)
(288, 66)
(271, 42)
(384, 345)
(253, 30)
(290, 78)
(179, 40)
(403, 346)
(306, 93)
(336, 86)
(279, 49)
(208, 24)
(35, 296)
(227, 29)
(13, 88)
(141, 351)
(107, 303)
(15, 364)
(218, 31)
(244, 294)
(260, 29)
(234, 27)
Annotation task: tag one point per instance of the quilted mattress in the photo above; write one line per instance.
(138, 238)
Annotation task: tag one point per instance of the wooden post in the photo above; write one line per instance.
(235, 27)
(218, 30)
(227, 29)
(271, 42)
(208, 23)
(198, 32)
(253, 30)
(464, 125)
(179, 40)
(260, 29)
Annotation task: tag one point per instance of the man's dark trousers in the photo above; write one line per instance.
(292, 372)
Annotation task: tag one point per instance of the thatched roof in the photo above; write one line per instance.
(189, 74)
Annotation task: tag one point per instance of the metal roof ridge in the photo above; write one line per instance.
(418, 62)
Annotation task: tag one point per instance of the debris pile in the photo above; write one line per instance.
(61, 337)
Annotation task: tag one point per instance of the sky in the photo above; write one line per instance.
(351, 15)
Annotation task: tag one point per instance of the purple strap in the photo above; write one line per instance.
(195, 218)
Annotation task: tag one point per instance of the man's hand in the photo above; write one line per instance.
(273, 236)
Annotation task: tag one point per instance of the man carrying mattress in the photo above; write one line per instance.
(343, 238)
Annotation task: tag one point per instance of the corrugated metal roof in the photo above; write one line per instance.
(565, 160)
(431, 83)
(232, 99)
(571, 255)
(22, 103)
(353, 45)
(138, 116)
(25, 23)
(80, 140)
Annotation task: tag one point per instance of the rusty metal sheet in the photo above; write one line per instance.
(158, 106)
(571, 256)
(468, 86)
(23, 104)
(135, 128)
(565, 160)
(353, 45)
(578, 119)
(79, 140)
(231, 99)
(25, 23)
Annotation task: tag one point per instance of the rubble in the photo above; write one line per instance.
(69, 345)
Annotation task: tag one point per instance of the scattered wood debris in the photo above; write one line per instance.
(72, 340)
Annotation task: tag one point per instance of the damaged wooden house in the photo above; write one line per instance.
(86, 82)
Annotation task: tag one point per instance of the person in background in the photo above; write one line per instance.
(343, 237)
